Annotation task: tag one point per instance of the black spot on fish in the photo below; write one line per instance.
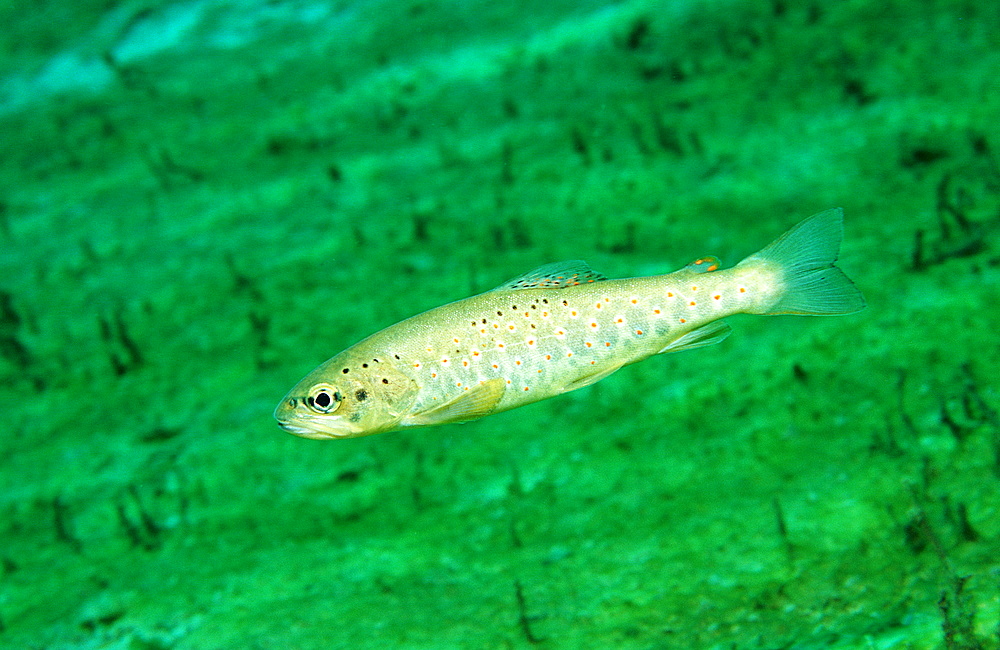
(364, 365)
(385, 381)
(362, 395)
(345, 370)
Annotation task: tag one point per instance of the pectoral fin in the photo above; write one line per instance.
(698, 338)
(476, 402)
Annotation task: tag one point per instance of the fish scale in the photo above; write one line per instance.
(555, 329)
(530, 350)
(546, 346)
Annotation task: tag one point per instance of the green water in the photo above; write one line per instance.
(200, 201)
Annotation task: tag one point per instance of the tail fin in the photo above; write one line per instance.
(806, 255)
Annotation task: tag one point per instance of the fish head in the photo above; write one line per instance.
(330, 403)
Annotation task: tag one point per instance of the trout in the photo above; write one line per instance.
(555, 329)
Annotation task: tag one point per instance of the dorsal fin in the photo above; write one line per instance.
(554, 276)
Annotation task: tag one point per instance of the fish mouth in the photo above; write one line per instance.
(297, 430)
(318, 429)
(306, 425)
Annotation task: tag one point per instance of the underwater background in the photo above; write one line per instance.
(202, 200)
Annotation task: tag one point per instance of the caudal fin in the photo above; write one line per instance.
(806, 255)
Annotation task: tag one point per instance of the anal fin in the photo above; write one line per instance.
(587, 380)
(709, 334)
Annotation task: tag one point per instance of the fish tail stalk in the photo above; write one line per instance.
(800, 267)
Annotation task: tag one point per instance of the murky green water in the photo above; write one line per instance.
(200, 201)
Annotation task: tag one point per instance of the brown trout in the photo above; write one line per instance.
(555, 329)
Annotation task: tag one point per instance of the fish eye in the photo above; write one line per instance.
(324, 399)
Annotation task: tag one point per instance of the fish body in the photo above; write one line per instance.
(555, 329)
